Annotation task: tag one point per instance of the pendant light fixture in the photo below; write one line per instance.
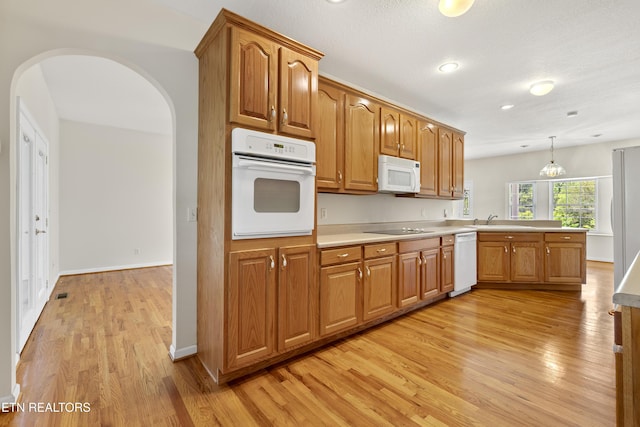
(453, 8)
(552, 169)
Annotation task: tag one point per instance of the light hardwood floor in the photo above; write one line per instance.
(488, 357)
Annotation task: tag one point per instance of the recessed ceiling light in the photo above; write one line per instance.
(597, 135)
(507, 106)
(524, 146)
(453, 8)
(572, 113)
(541, 88)
(448, 67)
(335, 1)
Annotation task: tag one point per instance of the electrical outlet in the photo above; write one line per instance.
(136, 251)
(446, 213)
(323, 213)
(192, 214)
(424, 212)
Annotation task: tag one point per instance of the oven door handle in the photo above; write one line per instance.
(274, 167)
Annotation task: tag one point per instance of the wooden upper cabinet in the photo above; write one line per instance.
(408, 137)
(458, 166)
(272, 88)
(362, 136)
(298, 93)
(253, 72)
(330, 138)
(398, 134)
(389, 131)
(445, 178)
(427, 147)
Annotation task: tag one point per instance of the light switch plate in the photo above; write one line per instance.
(192, 214)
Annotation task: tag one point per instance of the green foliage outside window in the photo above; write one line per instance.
(521, 200)
(574, 203)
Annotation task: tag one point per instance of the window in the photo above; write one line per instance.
(574, 202)
(522, 200)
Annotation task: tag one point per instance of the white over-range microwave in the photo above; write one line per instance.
(396, 175)
(272, 185)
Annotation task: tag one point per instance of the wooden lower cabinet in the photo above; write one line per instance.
(250, 331)
(446, 277)
(297, 297)
(551, 260)
(379, 287)
(339, 296)
(430, 272)
(409, 278)
(268, 289)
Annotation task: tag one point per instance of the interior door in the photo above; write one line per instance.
(33, 189)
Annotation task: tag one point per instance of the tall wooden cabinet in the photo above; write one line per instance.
(330, 138)
(427, 147)
(256, 298)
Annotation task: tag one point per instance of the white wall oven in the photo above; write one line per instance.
(273, 185)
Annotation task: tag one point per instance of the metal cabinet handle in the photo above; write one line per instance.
(513, 249)
(285, 116)
(368, 272)
(273, 262)
(398, 145)
(402, 147)
(339, 177)
(284, 261)
(40, 231)
(342, 255)
(359, 273)
(424, 259)
(508, 237)
(419, 261)
(272, 116)
(566, 237)
(444, 256)
(548, 251)
(382, 250)
(506, 250)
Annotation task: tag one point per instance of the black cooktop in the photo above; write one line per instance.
(401, 231)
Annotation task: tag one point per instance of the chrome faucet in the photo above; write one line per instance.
(492, 216)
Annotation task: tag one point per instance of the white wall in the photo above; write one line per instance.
(175, 73)
(35, 96)
(115, 197)
(490, 176)
(350, 209)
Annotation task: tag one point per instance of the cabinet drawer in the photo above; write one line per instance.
(340, 255)
(448, 240)
(510, 237)
(378, 250)
(418, 245)
(575, 237)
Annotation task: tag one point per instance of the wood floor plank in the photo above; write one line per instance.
(484, 358)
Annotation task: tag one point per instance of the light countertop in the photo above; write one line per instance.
(333, 236)
(628, 292)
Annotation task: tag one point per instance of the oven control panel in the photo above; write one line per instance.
(245, 141)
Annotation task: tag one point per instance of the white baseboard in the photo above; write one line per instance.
(13, 397)
(181, 353)
(113, 268)
(599, 259)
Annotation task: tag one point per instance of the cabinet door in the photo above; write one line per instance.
(458, 166)
(253, 74)
(565, 263)
(330, 138)
(445, 179)
(379, 289)
(408, 137)
(298, 93)
(251, 305)
(362, 136)
(430, 273)
(493, 262)
(525, 262)
(389, 131)
(297, 296)
(408, 278)
(428, 157)
(446, 269)
(339, 297)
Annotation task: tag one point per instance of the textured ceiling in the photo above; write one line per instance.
(590, 48)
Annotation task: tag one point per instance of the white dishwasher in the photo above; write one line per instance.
(465, 273)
